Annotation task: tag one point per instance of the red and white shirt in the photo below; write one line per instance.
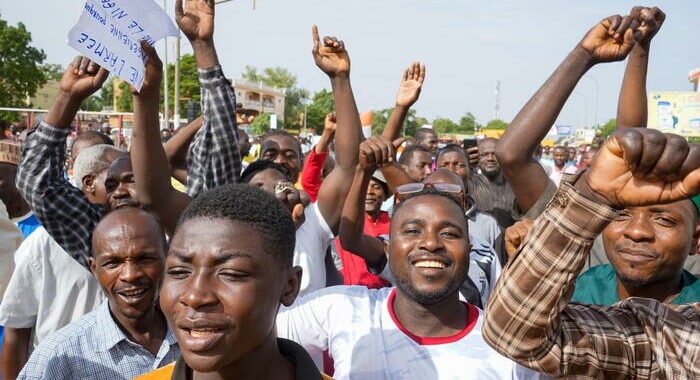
(359, 329)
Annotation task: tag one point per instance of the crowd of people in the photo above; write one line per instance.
(389, 257)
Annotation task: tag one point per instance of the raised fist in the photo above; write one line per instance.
(331, 57)
(650, 21)
(330, 123)
(515, 235)
(196, 20)
(378, 151)
(82, 78)
(411, 85)
(640, 167)
(153, 73)
(611, 40)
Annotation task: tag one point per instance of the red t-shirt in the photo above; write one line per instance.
(355, 270)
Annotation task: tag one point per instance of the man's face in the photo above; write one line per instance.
(429, 248)
(283, 150)
(487, 158)
(419, 166)
(243, 143)
(222, 291)
(650, 244)
(430, 141)
(119, 184)
(375, 197)
(455, 162)
(560, 157)
(129, 258)
(572, 154)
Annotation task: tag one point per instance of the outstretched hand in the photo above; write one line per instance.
(196, 20)
(331, 56)
(82, 78)
(153, 74)
(650, 21)
(411, 85)
(378, 151)
(639, 167)
(611, 39)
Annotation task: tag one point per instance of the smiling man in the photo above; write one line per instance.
(128, 335)
(647, 247)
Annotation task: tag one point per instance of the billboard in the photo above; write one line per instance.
(675, 112)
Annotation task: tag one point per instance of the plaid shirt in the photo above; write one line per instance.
(530, 320)
(64, 210)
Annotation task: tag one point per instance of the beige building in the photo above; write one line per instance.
(260, 97)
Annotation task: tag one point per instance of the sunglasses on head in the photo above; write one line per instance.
(412, 188)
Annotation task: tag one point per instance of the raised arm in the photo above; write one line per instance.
(61, 208)
(332, 58)
(635, 167)
(374, 152)
(409, 91)
(632, 105)
(606, 42)
(313, 164)
(214, 157)
(177, 147)
(151, 167)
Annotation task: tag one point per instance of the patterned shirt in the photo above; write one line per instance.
(94, 347)
(67, 214)
(493, 196)
(530, 320)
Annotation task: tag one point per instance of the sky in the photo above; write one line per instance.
(467, 46)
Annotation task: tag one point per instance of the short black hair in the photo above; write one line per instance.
(452, 148)
(260, 165)
(253, 207)
(408, 153)
(94, 135)
(421, 133)
(282, 132)
(428, 191)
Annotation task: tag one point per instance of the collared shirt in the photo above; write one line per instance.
(95, 347)
(67, 214)
(598, 286)
(493, 196)
(305, 367)
(530, 320)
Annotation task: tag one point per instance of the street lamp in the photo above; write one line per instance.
(597, 92)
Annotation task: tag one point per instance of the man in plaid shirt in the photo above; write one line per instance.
(64, 211)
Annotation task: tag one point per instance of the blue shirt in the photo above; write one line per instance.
(28, 225)
(94, 347)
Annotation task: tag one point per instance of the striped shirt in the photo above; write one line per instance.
(94, 347)
(493, 196)
(67, 214)
(530, 320)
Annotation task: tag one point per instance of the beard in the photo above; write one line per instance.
(430, 298)
(633, 282)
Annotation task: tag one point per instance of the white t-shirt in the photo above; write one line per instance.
(48, 289)
(313, 238)
(366, 341)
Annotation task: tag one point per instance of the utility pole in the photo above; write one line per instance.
(166, 110)
(177, 83)
(497, 106)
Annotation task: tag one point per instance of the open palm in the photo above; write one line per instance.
(411, 85)
(196, 20)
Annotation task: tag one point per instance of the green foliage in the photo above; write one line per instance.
(20, 74)
(52, 71)
(125, 102)
(443, 126)
(607, 129)
(694, 140)
(410, 125)
(92, 103)
(379, 120)
(261, 125)
(277, 77)
(496, 124)
(321, 105)
(107, 93)
(468, 124)
(294, 107)
(281, 78)
(189, 84)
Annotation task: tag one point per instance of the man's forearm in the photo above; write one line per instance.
(15, 351)
(632, 105)
(352, 223)
(349, 131)
(324, 142)
(394, 125)
(63, 110)
(205, 54)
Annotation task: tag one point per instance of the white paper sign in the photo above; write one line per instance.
(109, 32)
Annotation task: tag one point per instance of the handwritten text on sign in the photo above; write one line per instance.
(109, 32)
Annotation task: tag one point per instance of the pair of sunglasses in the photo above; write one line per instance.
(412, 188)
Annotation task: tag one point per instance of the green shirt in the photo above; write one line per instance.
(598, 286)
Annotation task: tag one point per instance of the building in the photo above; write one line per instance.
(260, 98)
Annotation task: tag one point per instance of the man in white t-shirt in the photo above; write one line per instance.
(418, 330)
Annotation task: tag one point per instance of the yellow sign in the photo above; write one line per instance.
(675, 112)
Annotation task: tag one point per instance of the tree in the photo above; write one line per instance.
(125, 102)
(321, 105)
(107, 93)
(294, 107)
(52, 71)
(496, 124)
(261, 125)
(92, 103)
(468, 124)
(413, 125)
(445, 126)
(379, 120)
(280, 78)
(20, 74)
(189, 85)
(607, 129)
